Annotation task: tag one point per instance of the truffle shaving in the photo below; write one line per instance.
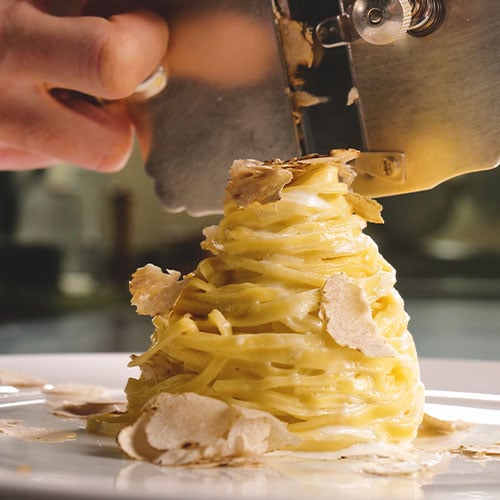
(253, 181)
(16, 379)
(87, 409)
(303, 99)
(365, 207)
(437, 425)
(14, 428)
(479, 451)
(153, 291)
(189, 429)
(347, 312)
(298, 47)
(76, 391)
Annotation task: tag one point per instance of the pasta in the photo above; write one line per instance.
(295, 313)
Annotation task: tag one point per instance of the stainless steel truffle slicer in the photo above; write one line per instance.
(413, 84)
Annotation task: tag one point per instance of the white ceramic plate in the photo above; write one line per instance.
(92, 467)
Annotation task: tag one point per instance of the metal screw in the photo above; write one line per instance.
(375, 16)
(390, 166)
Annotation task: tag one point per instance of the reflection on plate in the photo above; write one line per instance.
(93, 467)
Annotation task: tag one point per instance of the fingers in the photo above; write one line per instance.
(140, 115)
(17, 159)
(226, 49)
(68, 129)
(103, 57)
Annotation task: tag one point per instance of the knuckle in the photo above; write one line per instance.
(114, 65)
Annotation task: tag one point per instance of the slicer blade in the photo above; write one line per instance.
(423, 109)
(199, 128)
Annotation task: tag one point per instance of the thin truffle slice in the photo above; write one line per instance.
(182, 429)
(153, 291)
(252, 181)
(349, 320)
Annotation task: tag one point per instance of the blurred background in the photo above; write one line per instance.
(70, 238)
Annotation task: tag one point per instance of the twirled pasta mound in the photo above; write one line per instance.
(294, 314)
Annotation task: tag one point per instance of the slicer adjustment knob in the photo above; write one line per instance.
(381, 22)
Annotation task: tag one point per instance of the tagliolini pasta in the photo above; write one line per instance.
(295, 313)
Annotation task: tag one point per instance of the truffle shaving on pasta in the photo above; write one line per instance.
(294, 314)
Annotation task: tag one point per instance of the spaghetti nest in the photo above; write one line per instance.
(250, 326)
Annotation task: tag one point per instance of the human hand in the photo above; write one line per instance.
(105, 57)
